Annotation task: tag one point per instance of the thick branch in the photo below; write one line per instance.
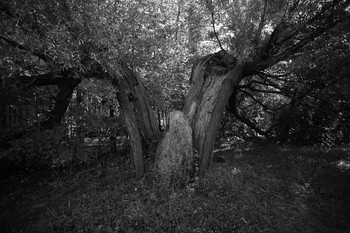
(66, 87)
(37, 80)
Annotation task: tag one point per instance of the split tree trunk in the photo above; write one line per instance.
(212, 82)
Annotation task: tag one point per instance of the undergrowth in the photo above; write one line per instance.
(264, 188)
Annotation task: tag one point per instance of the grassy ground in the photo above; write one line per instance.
(265, 188)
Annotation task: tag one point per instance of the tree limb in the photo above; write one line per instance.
(47, 79)
(211, 9)
(268, 91)
(253, 98)
(232, 108)
(262, 22)
(62, 99)
(179, 3)
(273, 84)
(273, 51)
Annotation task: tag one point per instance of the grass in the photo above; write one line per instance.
(265, 188)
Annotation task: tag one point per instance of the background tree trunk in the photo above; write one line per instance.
(64, 95)
(212, 82)
(66, 86)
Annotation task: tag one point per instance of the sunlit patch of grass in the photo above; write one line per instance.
(267, 188)
(343, 164)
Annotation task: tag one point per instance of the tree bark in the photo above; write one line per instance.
(212, 82)
(138, 114)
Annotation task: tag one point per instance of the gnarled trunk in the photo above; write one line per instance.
(137, 112)
(212, 82)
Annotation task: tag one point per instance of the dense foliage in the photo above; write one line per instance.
(47, 46)
(86, 88)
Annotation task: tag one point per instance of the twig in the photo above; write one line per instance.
(211, 9)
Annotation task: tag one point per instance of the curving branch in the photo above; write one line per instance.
(257, 101)
(265, 76)
(232, 108)
(211, 9)
(251, 125)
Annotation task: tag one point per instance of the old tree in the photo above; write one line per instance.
(129, 43)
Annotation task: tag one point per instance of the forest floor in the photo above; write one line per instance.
(264, 188)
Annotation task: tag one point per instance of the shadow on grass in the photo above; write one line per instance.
(315, 179)
(329, 202)
(265, 188)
